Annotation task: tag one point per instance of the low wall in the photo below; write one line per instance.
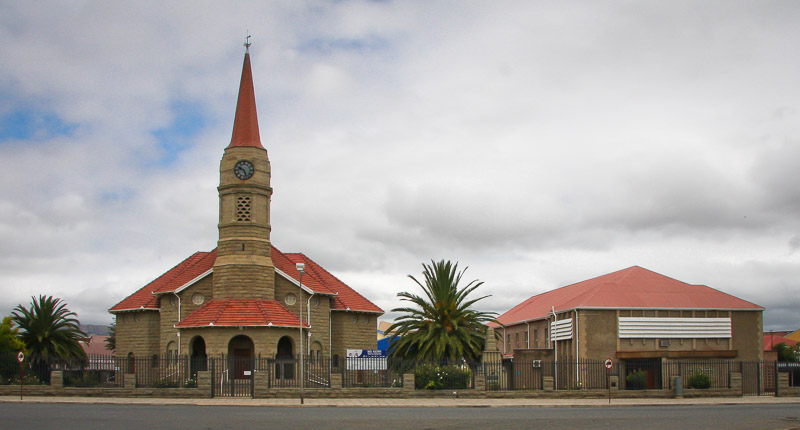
(356, 393)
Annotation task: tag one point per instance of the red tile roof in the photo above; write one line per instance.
(322, 281)
(96, 346)
(631, 288)
(772, 339)
(174, 278)
(241, 312)
(316, 278)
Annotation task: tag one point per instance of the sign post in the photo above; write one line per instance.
(20, 358)
(609, 364)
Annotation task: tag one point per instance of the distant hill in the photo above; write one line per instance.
(95, 329)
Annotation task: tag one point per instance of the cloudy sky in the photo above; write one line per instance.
(539, 143)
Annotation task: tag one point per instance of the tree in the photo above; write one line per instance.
(9, 344)
(788, 353)
(49, 330)
(442, 325)
(111, 340)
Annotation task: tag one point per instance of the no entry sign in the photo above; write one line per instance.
(20, 357)
(609, 364)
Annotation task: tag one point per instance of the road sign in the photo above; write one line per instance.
(20, 357)
(609, 363)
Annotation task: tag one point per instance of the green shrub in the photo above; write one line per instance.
(699, 380)
(190, 383)
(433, 377)
(637, 380)
(164, 383)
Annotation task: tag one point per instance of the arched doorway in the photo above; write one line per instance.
(284, 359)
(240, 351)
(199, 361)
(131, 363)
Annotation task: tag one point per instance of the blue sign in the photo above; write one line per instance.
(366, 359)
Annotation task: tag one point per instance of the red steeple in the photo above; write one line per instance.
(245, 125)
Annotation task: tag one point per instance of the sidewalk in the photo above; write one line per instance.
(420, 403)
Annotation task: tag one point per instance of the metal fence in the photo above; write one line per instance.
(242, 376)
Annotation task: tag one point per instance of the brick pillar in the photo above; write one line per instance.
(480, 383)
(57, 379)
(408, 382)
(204, 381)
(783, 381)
(735, 380)
(614, 381)
(129, 380)
(336, 381)
(548, 383)
(260, 384)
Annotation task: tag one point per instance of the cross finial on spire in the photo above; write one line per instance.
(247, 42)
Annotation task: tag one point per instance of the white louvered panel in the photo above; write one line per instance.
(561, 330)
(643, 327)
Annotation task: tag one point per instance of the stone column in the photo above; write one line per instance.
(408, 382)
(548, 383)
(129, 380)
(57, 379)
(480, 383)
(614, 381)
(204, 381)
(735, 380)
(336, 381)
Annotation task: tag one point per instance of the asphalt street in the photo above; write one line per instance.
(150, 417)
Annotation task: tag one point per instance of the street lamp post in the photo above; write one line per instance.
(302, 269)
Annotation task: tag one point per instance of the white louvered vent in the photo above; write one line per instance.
(561, 330)
(650, 328)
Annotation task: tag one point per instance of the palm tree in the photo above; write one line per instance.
(49, 330)
(442, 326)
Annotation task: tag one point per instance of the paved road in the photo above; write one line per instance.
(148, 417)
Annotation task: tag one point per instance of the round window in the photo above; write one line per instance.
(355, 318)
(366, 320)
(198, 299)
(173, 301)
(135, 317)
(290, 299)
(315, 301)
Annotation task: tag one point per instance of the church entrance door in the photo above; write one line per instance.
(285, 363)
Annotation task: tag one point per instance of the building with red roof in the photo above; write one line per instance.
(636, 316)
(245, 298)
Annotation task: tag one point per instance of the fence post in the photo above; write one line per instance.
(213, 375)
(57, 379)
(408, 382)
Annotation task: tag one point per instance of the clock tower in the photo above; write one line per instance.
(243, 268)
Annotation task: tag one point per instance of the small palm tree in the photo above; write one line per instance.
(443, 325)
(111, 340)
(49, 330)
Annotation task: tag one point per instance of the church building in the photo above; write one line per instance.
(245, 298)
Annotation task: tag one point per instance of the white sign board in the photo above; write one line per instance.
(366, 359)
(20, 357)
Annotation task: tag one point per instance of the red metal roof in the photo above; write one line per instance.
(241, 312)
(632, 288)
(316, 278)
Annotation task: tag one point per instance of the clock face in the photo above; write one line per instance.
(243, 170)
